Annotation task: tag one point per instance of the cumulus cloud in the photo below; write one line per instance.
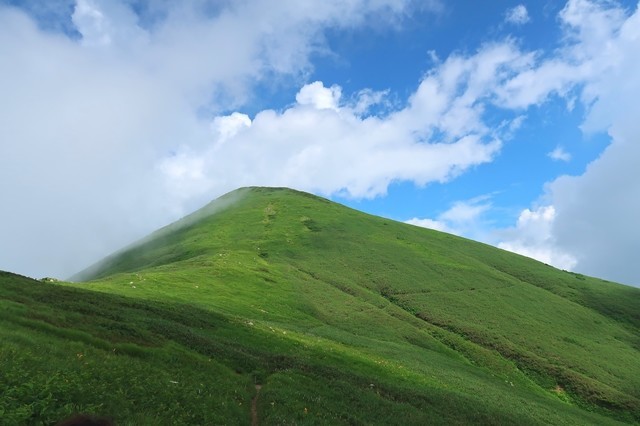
(322, 145)
(590, 224)
(597, 212)
(101, 23)
(225, 127)
(330, 145)
(559, 154)
(319, 97)
(517, 15)
(533, 237)
(94, 107)
(464, 218)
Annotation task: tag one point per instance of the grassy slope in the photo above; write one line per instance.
(341, 316)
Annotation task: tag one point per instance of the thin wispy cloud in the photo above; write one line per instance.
(464, 218)
(517, 15)
(559, 154)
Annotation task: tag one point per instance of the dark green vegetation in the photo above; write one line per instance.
(342, 317)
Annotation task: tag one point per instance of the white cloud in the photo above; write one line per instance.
(328, 145)
(533, 237)
(101, 23)
(464, 212)
(431, 224)
(367, 98)
(321, 145)
(589, 52)
(91, 23)
(593, 228)
(92, 129)
(228, 126)
(88, 126)
(597, 212)
(517, 15)
(464, 218)
(319, 97)
(559, 154)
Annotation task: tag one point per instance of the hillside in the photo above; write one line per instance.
(339, 317)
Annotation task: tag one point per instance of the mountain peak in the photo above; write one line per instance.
(292, 291)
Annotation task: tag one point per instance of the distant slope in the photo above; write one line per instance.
(344, 317)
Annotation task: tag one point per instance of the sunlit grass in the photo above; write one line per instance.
(342, 318)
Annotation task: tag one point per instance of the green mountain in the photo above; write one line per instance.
(272, 306)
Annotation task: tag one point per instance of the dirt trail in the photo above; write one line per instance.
(254, 407)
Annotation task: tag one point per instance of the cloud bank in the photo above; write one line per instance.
(93, 105)
(596, 212)
(111, 122)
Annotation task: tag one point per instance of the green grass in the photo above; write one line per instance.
(342, 317)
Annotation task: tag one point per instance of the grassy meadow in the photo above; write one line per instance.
(273, 306)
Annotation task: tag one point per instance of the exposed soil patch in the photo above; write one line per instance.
(254, 407)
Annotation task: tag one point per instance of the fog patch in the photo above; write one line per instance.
(216, 206)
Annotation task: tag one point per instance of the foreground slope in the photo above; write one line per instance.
(341, 317)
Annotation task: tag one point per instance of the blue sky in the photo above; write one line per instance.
(508, 122)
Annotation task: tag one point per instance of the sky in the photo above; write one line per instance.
(514, 123)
